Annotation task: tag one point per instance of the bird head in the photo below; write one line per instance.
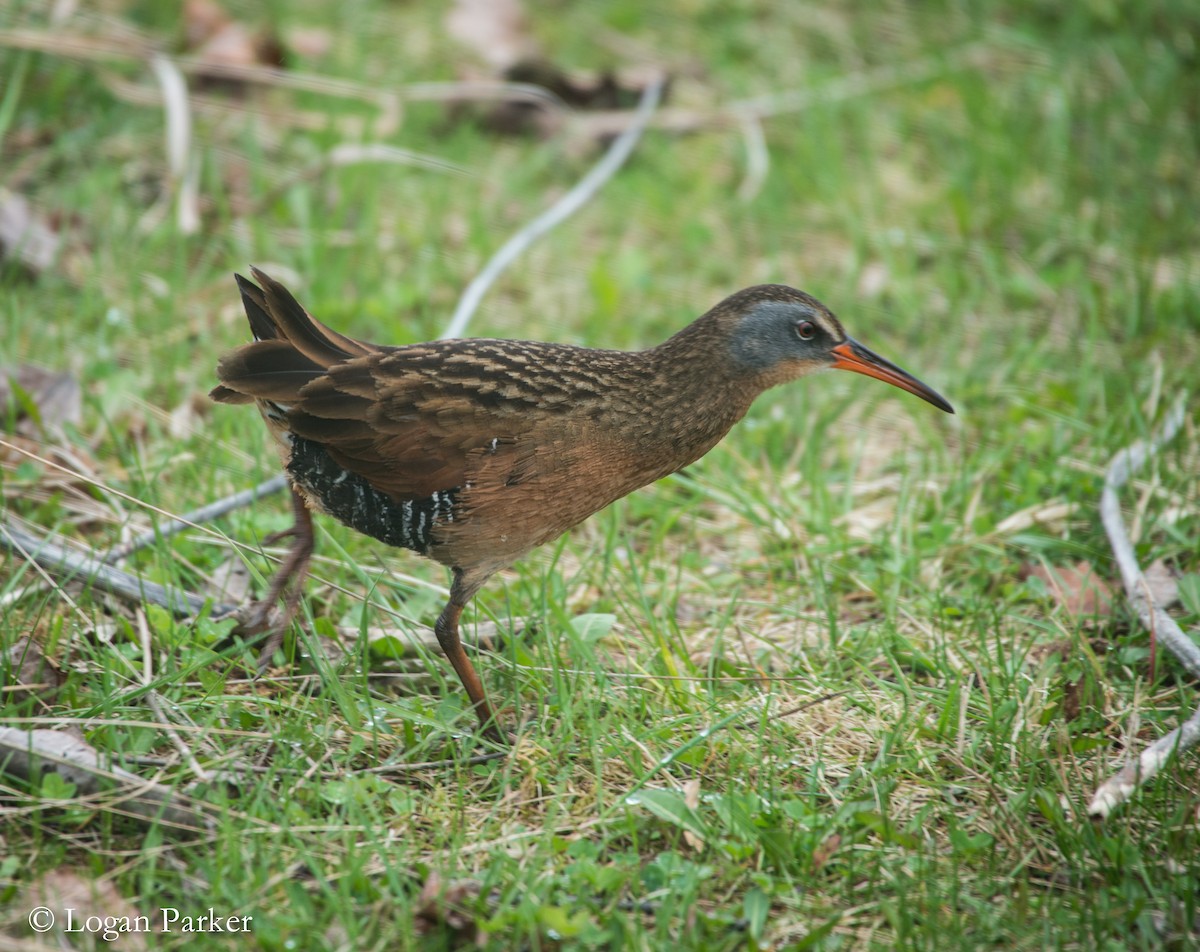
(779, 334)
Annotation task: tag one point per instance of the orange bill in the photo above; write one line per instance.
(852, 355)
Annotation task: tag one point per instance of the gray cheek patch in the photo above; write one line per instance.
(764, 336)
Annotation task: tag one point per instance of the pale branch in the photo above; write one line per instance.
(30, 755)
(1119, 788)
(583, 191)
(758, 158)
(67, 563)
(194, 518)
(731, 114)
(1123, 466)
(91, 48)
(181, 164)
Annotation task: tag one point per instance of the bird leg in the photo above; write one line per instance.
(260, 616)
(446, 630)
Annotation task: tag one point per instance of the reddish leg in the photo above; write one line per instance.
(446, 630)
(261, 616)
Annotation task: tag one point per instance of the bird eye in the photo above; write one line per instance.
(806, 330)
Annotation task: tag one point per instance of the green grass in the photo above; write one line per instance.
(1018, 229)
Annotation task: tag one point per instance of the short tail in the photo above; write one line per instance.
(290, 347)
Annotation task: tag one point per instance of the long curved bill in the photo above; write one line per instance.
(852, 355)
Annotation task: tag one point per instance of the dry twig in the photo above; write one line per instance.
(51, 552)
(1119, 788)
(196, 517)
(620, 150)
(183, 168)
(31, 754)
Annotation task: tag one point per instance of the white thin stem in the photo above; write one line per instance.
(1123, 466)
(758, 157)
(1119, 788)
(196, 517)
(566, 206)
(183, 171)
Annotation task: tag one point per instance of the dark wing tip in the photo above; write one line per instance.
(223, 394)
(254, 301)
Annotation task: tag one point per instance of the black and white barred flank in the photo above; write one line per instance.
(356, 503)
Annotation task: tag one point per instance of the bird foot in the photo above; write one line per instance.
(492, 728)
(260, 618)
(253, 618)
(266, 616)
(276, 537)
(499, 736)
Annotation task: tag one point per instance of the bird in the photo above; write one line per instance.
(474, 451)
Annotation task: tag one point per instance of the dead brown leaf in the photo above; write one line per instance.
(31, 671)
(217, 40)
(448, 906)
(606, 90)
(71, 482)
(309, 42)
(498, 33)
(229, 582)
(1072, 702)
(26, 236)
(1078, 588)
(825, 852)
(34, 400)
(1162, 582)
(606, 94)
(494, 30)
(1062, 648)
(202, 20)
(63, 888)
(187, 419)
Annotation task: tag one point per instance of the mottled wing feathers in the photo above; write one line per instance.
(407, 419)
(392, 419)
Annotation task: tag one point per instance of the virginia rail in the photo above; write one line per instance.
(472, 452)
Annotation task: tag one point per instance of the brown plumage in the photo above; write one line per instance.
(472, 452)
